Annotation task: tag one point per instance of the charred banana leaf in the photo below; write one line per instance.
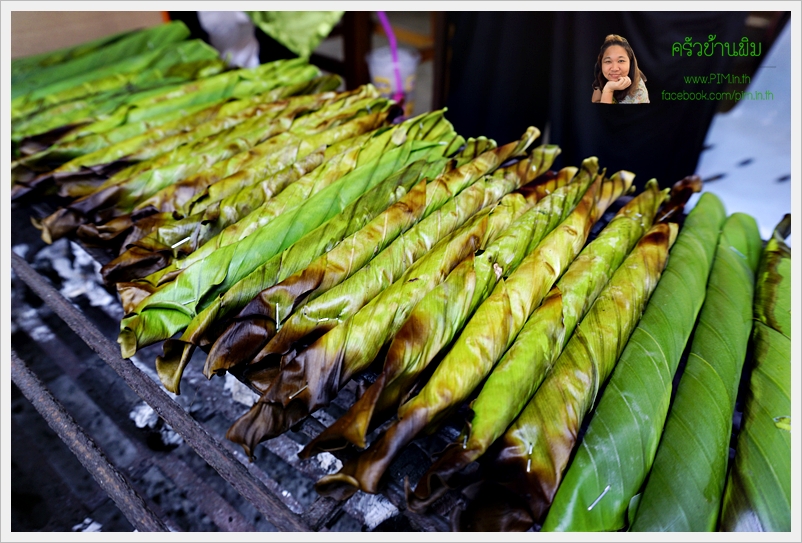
(481, 343)
(440, 315)
(324, 311)
(523, 367)
(258, 321)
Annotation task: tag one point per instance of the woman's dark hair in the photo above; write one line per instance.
(635, 75)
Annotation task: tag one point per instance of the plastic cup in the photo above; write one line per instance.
(380, 65)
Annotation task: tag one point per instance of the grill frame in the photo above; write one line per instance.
(252, 483)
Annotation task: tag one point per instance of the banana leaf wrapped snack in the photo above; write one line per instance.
(172, 307)
(524, 366)
(758, 492)
(484, 339)
(275, 303)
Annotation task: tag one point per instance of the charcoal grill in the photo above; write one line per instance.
(274, 492)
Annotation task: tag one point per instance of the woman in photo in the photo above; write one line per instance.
(617, 77)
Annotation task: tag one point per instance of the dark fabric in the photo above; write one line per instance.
(190, 18)
(510, 70)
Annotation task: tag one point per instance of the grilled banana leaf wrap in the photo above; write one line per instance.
(308, 378)
(440, 315)
(523, 367)
(257, 322)
(486, 336)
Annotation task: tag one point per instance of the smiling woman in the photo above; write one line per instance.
(617, 77)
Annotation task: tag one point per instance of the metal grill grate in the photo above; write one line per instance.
(278, 487)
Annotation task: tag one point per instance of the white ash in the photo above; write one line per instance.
(170, 436)
(372, 508)
(143, 415)
(87, 525)
(329, 462)
(79, 272)
(239, 392)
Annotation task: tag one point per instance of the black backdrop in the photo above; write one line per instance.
(509, 70)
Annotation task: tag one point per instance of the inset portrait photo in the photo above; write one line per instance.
(617, 78)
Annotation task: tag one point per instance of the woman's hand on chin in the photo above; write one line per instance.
(621, 83)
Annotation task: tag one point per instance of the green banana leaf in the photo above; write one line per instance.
(171, 308)
(258, 142)
(177, 353)
(619, 445)
(61, 122)
(107, 112)
(773, 295)
(299, 31)
(326, 309)
(686, 482)
(108, 54)
(148, 139)
(330, 172)
(130, 74)
(523, 367)
(757, 497)
(23, 67)
(480, 344)
(361, 148)
(158, 239)
(205, 91)
(270, 157)
(442, 313)
(243, 340)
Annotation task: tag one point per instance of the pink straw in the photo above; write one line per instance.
(399, 93)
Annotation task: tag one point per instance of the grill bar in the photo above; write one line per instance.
(190, 430)
(108, 477)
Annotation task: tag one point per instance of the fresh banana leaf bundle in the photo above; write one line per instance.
(161, 66)
(25, 66)
(482, 341)
(259, 320)
(757, 497)
(310, 378)
(618, 447)
(685, 485)
(523, 367)
(172, 307)
(214, 157)
(442, 313)
(43, 69)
